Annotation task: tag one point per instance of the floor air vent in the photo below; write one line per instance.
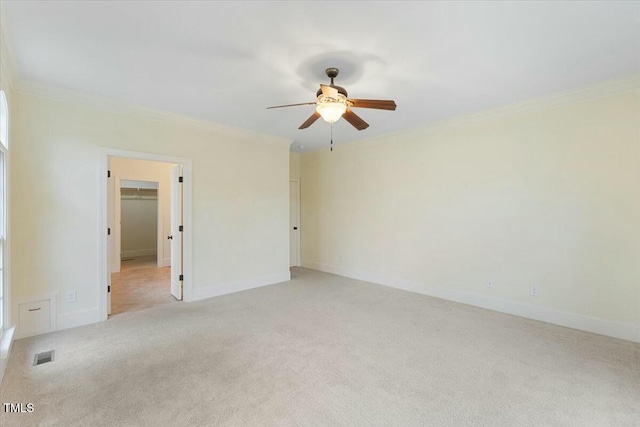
(44, 357)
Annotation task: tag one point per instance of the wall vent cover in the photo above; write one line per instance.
(44, 357)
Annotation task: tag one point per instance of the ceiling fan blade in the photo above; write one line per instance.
(292, 105)
(355, 120)
(311, 120)
(329, 91)
(373, 103)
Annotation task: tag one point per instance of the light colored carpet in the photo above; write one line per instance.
(323, 350)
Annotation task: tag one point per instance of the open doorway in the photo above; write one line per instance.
(144, 249)
(142, 279)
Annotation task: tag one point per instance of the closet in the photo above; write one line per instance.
(138, 219)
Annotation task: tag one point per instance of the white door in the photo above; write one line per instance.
(176, 232)
(294, 223)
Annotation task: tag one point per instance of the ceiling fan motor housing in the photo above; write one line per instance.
(332, 73)
(340, 89)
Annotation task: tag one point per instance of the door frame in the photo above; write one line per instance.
(299, 234)
(187, 244)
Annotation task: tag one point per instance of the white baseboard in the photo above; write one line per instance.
(6, 342)
(138, 252)
(625, 331)
(65, 321)
(166, 262)
(239, 285)
(78, 318)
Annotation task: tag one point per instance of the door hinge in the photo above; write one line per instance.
(108, 174)
(108, 288)
(179, 179)
(181, 228)
(181, 278)
(108, 232)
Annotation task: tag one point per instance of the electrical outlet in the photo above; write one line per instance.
(71, 296)
(533, 291)
(489, 283)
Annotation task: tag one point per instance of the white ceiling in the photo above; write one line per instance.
(227, 61)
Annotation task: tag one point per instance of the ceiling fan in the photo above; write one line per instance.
(333, 103)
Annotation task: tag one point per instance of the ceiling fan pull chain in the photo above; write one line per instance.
(331, 136)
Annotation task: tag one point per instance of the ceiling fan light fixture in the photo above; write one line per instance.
(331, 111)
(333, 103)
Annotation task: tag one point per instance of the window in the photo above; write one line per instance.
(4, 145)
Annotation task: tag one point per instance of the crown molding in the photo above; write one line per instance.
(608, 88)
(113, 106)
(629, 84)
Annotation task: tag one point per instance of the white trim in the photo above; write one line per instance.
(187, 248)
(107, 104)
(6, 343)
(7, 241)
(78, 318)
(117, 223)
(621, 330)
(6, 245)
(159, 225)
(608, 88)
(239, 285)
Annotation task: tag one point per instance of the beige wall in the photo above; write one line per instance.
(5, 82)
(545, 198)
(240, 198)
(294, 165)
